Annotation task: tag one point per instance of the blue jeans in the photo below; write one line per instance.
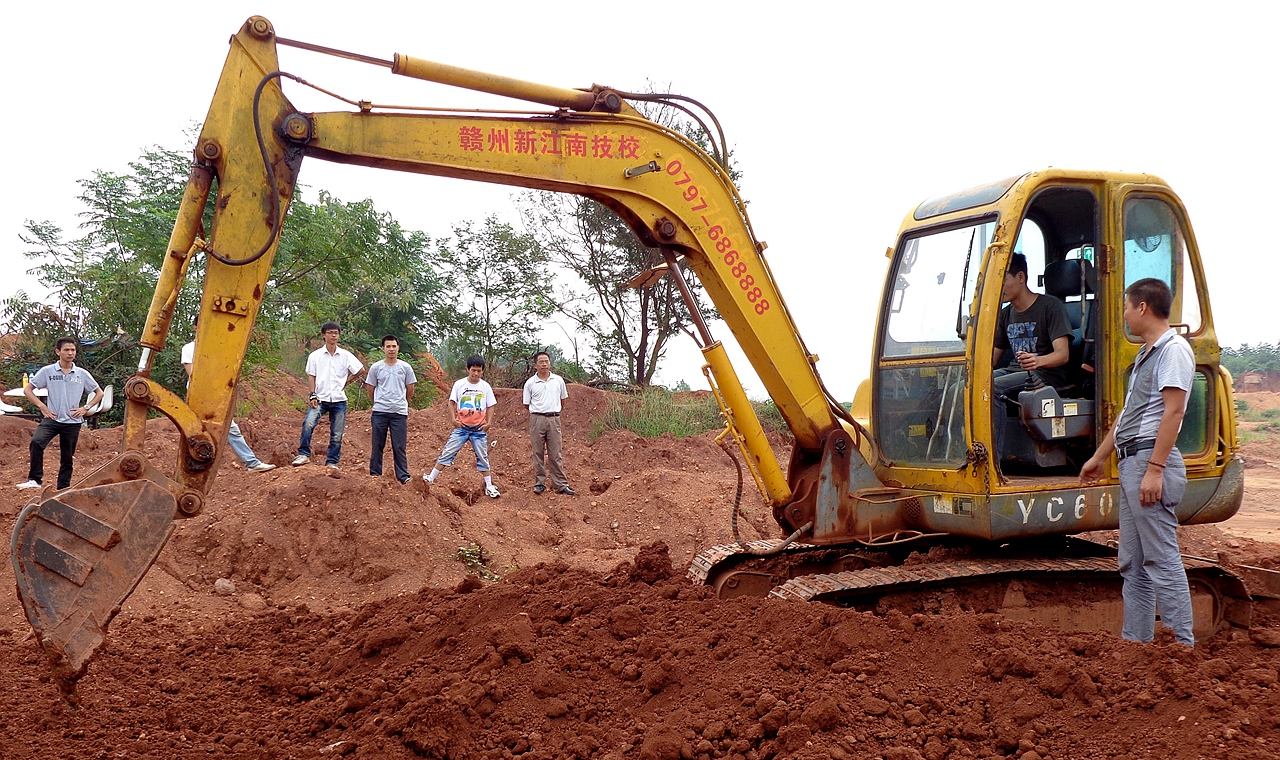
(398, 426)
(337, 411)
(1149, 559)
(241, 447)
(458, 438)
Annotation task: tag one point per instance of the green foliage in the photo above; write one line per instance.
(350, 263)
(1263, 357)
(656, 410)
(501, 300)
(336, 260)
(1249, 436)
(476, 560)
(682, 387)
(1249, 414)
(629, 327)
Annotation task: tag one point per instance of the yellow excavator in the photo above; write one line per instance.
(902, 497)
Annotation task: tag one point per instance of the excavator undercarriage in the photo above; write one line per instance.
(1064, 582)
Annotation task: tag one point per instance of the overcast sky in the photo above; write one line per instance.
(842, 116)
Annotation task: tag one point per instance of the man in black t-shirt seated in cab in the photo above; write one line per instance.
(1038, 331)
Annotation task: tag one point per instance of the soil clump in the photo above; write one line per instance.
(370, 619)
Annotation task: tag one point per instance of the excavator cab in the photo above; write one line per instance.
(1086, 236)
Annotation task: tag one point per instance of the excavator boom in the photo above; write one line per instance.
(80, 552)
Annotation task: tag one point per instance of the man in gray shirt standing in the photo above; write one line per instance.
(62, 411)
(390, 383)
(1153, 477)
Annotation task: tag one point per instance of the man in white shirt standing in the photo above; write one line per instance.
(390, 383)
(542, 395)
(330, 369)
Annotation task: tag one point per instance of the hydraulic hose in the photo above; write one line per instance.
(737, 502)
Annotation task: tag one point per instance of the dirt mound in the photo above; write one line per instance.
(303, 615)
(562, 663)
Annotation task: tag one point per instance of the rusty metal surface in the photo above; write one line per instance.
(902, 577)
(1262, 582)
(708, 560)
(79, 553)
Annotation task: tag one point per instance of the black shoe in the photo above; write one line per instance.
(567, 491)
(539, 489)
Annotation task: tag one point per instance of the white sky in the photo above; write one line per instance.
(843, 116)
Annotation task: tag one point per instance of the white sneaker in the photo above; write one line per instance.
(28, 484)
(492, 492)
(261, 467)
(301, 459)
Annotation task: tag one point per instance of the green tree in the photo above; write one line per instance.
(336, 260)
(629, 327)
(1263, 357)
(502, 297)
(356, 265)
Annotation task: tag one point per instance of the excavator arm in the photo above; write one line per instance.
(79, 553)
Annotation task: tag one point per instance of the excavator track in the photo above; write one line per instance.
(1078, 590)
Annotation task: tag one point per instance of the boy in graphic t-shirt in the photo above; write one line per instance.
(471, 402)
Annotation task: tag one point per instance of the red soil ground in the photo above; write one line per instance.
(355, 630)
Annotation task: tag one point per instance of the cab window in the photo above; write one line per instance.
(933, 289)
(1154, 246)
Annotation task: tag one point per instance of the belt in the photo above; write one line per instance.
(546, 414)
(1129, 449)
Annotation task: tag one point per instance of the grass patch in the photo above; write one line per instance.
(474, 557)
(655, 411)
(1269, 427)
(1250, 436)
(1247, 413)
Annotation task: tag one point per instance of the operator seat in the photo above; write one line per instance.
(1076, 277)
(1048, 424)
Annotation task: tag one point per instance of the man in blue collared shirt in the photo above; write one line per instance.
(1153, 477)
(62, 411)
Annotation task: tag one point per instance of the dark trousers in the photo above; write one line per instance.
(68, 434)
(398, 424)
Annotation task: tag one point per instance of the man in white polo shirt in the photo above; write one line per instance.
(542, 395)
(329, 370)
(62, 411)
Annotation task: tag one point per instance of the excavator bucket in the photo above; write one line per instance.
(78, 554)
